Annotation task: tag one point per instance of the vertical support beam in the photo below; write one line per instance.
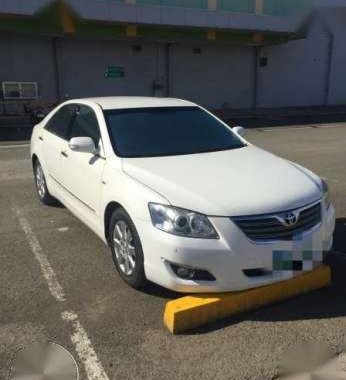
(212, 5)
(56, 66)
(168, 69)
(329, 68)
(255, 79)
(259, 7)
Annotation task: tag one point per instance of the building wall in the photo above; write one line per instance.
(84, 63)
(306, 72)
(28, 59)
(218, 76)
(296, 72)
(335, 22)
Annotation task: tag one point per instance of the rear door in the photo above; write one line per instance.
(55, 144)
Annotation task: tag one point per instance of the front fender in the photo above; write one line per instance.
(129, 193)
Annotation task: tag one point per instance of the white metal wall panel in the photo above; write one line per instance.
(84, 63)
(220, 75)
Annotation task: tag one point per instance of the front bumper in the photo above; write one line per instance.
(226, 258)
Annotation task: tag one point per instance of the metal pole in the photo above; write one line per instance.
(168, 68)
(255, 82)
(57, 76)
(329, 68)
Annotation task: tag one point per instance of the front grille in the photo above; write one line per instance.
(272, 227)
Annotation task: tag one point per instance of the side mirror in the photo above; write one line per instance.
(37, 116)
(239, 131)
(40, 116)
(82, 144)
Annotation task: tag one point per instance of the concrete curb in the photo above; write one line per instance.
(190, 312)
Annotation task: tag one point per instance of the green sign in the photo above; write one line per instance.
(115, 72)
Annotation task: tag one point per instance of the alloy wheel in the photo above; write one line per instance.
(40, 181)
(124, 249)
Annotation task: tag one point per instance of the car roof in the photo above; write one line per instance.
(122, 102)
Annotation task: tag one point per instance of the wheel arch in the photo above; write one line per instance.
(110, 208)
(34, 159)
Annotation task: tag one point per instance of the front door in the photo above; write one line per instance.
(83, 178)
(54, 138)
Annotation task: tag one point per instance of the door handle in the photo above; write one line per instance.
(64, 154)
(40, 138)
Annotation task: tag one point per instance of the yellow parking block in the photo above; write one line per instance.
(194, 311)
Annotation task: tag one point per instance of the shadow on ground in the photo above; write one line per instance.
(340, 235)
(321, 304)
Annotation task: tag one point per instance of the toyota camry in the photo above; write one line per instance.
(182, 199)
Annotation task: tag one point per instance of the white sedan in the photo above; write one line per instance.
(182, 199)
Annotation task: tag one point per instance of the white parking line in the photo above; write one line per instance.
(312, 126)
(46, 269)
(79, 338)
(330, 179)
(84, 348)
(278, 129)
(14, 146)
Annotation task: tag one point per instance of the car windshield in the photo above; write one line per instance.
(167, 131)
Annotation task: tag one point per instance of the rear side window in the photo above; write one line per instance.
(60, 122)
(85, 124)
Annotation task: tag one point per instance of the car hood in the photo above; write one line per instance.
(244, 181)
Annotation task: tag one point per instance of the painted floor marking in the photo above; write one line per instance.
(84, 348)
(46, 269)
(79, 338)
(330, 179)
(286, 127)
(277, 129)
(14, 146)
(63, 229)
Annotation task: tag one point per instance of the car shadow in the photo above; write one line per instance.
(321, 304)
(159, 292)
(340, 235)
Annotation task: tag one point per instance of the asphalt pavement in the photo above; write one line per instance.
(58, 283)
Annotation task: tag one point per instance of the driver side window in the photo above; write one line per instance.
(85, 124)
(60, 121)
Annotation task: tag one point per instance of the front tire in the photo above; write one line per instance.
(41, 186)
(126, 249)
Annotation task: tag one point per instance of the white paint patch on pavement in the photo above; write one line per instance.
(46, 269)
(84, 348)
(63, 229)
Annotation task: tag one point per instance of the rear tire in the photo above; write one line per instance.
(126, 249)
(41, 186)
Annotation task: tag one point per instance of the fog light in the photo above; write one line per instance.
(185, 273)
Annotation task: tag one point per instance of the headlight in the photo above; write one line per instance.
(181, 222)
(326, 195)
